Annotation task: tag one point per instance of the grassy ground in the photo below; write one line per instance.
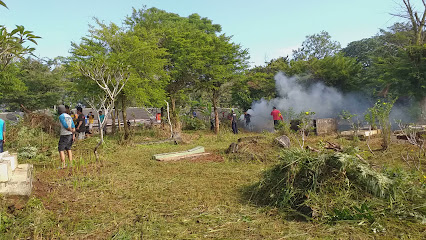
(135, 197)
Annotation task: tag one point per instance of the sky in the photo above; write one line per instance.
(268, 29)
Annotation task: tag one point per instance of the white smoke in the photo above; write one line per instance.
(326, 102)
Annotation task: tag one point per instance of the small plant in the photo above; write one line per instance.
(5, 222)
(380, 113)
(305, 126)
(355, 124)
(27, 152)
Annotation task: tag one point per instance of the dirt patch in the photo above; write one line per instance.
(208, 158)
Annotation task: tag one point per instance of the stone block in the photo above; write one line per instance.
(5, 171)
(326, 126)
(21, 182)
(3, 154)
(12, 158)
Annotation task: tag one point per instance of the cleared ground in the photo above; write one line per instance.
(135, 197)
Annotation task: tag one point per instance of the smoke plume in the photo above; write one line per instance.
(326, 102)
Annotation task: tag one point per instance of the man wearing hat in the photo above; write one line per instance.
(67, 135)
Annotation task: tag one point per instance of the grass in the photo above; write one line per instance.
(135, 197)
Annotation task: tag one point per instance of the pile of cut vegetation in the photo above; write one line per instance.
(252, 148)
(338, 186)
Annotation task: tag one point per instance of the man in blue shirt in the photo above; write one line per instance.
(67, 135)
(2, 134)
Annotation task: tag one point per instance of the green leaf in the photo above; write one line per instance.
(3, 4)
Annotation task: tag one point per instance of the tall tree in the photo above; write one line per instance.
(184, 39)
(223, 60)
(317, 46)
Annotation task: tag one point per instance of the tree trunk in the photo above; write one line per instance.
(113, 127)
(423, 109)
(175, 116)
(124, 113)
(216, 113)
(117, 115)
(162, 117)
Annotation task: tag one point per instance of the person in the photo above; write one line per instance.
(247, 117)
(91, 118)
(67, 137)
(234, 122)
(212, 121)
(81, 126)
(2, 134)
(276, 115)
(101, 120)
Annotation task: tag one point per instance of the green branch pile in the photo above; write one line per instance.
(337, 186)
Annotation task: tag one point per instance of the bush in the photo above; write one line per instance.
(190, 123)
(27, 152)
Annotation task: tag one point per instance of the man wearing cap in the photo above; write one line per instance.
(2, 134)
(276, 115)
(67, 137)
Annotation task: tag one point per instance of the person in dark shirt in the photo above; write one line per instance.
(81, 126)
(247, 117)
(234, 122)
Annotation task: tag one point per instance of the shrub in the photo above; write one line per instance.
(190, 123)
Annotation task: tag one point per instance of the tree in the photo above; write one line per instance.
(184, 39)
(12, 48)
(337, 71)
(317, 46)
(42, 88)
(223, 60)
(110, 58)
(103, 74)
(12, 44)
(363, 50)
(417, 20)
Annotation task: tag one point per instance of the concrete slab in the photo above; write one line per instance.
(176, 155)
(5, 171)
(21, 182)
(190, 156)
(364, 133)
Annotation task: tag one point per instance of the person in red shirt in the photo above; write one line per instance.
(276, 115)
